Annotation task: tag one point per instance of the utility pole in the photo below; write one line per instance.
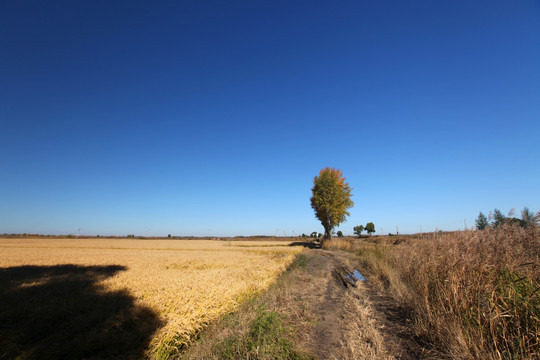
(397, 231)
(465, 222)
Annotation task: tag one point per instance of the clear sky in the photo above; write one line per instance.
(213, 117)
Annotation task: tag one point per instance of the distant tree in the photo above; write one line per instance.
(339, 233)
(528, 218)
(482, 222)
(169, 235)
(331, 199)
(358, 230)
(498, 218)
(313, 234)
(370, 228)
(319, 235)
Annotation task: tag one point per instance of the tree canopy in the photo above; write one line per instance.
(529, 219)
(331, 198)
(482, 222)
(370, 228)
(498, 218)
(358, 230)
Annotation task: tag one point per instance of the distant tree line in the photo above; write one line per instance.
(312, 235)
(369, 228)
(496, 219)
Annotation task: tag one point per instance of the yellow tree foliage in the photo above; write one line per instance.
(331, 198)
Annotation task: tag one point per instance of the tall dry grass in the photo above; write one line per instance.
(362, 338)
(337, 244)
(476, 294)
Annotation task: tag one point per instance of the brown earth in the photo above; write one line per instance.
(326, 319)
(332, 306)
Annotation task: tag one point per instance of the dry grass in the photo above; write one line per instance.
(338, 244)
(186, 283)
(363, 339)
(476, 294)
(271, 325)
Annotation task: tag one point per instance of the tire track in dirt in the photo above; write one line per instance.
(383, 330)
(327, 334)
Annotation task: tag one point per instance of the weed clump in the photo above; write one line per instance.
(266, 338)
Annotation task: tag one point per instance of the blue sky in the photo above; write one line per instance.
(212, 118)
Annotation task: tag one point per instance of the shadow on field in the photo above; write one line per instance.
(61, 312)
(307, 244)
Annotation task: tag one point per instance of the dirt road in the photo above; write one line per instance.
(319, 318)
(353, 322)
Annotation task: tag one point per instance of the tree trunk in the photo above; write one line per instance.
(327, 232)
(327, 229)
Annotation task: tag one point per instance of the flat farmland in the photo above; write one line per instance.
(128, 297)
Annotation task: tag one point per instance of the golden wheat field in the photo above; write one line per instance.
(186, 283)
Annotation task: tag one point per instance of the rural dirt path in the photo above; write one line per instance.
(330, 336)
(326, 319)
(327, 335)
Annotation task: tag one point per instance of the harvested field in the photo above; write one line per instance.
(174, 287)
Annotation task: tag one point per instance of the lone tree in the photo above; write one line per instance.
(482, 222)
(358, 230)
(370, 228)
(331, 198)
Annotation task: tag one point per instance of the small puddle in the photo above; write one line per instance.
(358, 276)
(348, 278)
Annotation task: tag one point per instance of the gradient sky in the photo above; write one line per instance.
(213, 117)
